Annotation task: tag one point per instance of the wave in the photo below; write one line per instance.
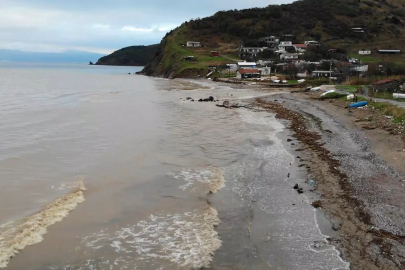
(188, 240)
(32, 229)
(214, 178)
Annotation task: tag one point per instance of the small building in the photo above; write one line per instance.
(214, 54)
(242, 65)
(289, 56)
(389, 51)
(322, 73)
(265, 71)
(311, 43)
(303, 73)
(271, 41)
(284, 45)
(358, 30)
(248, 73)
(300, 47)
(389, 85)
(189, 58)
(193, 44)
(364, 52)
(251, 51)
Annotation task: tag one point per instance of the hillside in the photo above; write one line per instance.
(130, 56)
(327, 21)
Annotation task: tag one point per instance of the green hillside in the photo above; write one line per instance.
(327, 21)
(130, 56)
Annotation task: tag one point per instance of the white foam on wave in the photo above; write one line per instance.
(189, 239)
(213, 178)
(32, 229)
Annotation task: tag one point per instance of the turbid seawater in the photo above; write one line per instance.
(100, 169)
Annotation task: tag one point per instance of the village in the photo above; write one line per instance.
(285, 62)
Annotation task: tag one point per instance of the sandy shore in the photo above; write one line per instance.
(359, 175)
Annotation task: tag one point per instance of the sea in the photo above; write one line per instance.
(104, 169)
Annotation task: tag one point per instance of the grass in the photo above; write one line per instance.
(397, 113)
(349, 88)
(292, 81)
(175, 53)
(387, 95)
(333, 95)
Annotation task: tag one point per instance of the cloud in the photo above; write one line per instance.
(136, 29)
(99, 25)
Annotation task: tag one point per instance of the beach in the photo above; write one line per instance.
(358, 173)
(123, 172)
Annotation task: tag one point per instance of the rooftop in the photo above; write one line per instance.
(248, 70)
(385, 81)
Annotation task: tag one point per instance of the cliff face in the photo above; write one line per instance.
(130, 56)
(329, 21)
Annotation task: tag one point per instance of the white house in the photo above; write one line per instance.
(193, 44)
(289, 56)
(365, 52)
(253, 51)
(242, 65)
(265, 71)
(304, 73)
(311, 43)
(358, 68)
(285, 44)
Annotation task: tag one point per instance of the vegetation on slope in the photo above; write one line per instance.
(130, 56)
(328, 21)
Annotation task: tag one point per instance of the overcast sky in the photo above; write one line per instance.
(101, 25)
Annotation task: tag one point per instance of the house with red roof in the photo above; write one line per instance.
(300, 47)
(386, 85)
(247, 73)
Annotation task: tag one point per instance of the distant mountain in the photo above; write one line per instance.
(70, 56)
(130, 56)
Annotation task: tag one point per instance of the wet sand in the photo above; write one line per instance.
(361, 193)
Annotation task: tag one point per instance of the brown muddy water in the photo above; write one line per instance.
(104, 170)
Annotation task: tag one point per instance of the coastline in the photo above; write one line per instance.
(353, 200)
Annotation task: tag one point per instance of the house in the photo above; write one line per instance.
(265, 71)
(389, 85)
(365, 52)
(214, 54)
(389, 51)
(248, 73)
(242, 65)
(251, 51)
(358, 68)
(303, 73)
(193, 44)
(188, 58)
(311, 43)
(264, 62)
(271, 41)
(322, 73)
(284, 45)
(300, 47)
(358, 30)
(289, 56)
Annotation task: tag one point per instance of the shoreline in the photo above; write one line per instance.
(353, 217)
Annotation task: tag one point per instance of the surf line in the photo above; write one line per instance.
(33, 228)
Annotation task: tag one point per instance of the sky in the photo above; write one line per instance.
(101, 26)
